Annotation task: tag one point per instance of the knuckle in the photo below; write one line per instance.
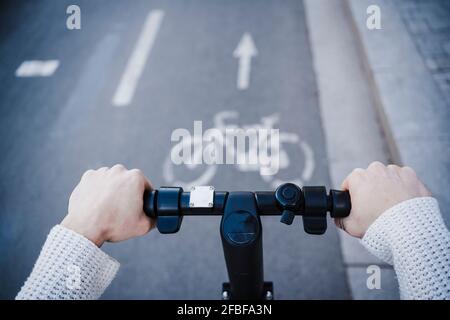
(376, 165)
(136, 176)
(118, 167)
(409, 171)
(393, 167)
(135, 172)
(355, 176)
(358, 172)
(88, 173)
(394, 170)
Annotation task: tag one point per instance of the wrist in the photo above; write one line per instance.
(85, 229)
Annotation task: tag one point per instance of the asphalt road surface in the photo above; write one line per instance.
(53, 128)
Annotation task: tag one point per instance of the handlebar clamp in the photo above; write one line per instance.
(168, 208)
(315, 210)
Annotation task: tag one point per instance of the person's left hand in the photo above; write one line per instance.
(107, 205)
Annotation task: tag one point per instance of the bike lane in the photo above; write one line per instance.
(197, 41)
(191, 74)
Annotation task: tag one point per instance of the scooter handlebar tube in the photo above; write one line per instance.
(168, 205)
(240, 227)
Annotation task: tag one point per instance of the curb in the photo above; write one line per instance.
(350, 122)
(411, 109)
(376, 97)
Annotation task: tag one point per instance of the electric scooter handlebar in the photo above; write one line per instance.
(241, 228)
(168, 205)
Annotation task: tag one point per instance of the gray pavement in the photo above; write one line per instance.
(407, 68)
(428, 23)
(351, 127)
(412, 107)
(55, 128)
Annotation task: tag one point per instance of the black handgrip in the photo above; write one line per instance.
(340, 204)
(150, 203)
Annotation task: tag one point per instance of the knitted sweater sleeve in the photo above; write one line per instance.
(413, 238)
(69, 267)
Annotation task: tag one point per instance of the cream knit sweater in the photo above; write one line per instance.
(411, 235)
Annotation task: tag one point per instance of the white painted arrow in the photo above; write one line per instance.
(245, 50)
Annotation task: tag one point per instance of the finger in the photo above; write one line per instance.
(147, 183)
(336, 222)
(146, 225)
(340, 223)
(87, 173)
(344, 184)
(408, 173)
(393, 170)
(118, 168)
(152, 223)
(393, 167)
(376, 166)
(354, 177)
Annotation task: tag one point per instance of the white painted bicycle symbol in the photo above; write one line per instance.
(196, 175)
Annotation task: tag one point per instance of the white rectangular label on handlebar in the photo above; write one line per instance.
(201, 197)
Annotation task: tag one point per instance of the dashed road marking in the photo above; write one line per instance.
(127, 86)
(37, 68)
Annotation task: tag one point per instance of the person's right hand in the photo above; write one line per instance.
(376, 189)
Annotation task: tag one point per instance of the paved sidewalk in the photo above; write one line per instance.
(408, 64)
(384, 95)
(428, 23)
(352, 131)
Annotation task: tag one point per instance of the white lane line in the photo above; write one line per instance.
(245, 51)
(136, 63)
(37, 68)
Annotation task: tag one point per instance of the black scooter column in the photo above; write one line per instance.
(241, 234)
